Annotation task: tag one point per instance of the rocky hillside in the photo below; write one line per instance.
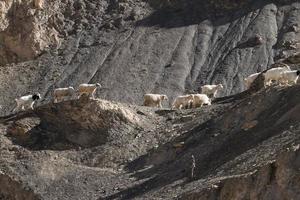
(238, 148)
(244, 146)
(132, 47)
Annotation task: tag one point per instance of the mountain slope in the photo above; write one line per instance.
(134, 47)
(243, 149)
(244, 146)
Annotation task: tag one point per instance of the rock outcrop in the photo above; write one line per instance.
(26, 30)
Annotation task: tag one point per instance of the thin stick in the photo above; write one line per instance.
(193, 166)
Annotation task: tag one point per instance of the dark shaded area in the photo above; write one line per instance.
(177, 13)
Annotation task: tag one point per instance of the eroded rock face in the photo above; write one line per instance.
(26, 30)
(136, 47)
(113, 151)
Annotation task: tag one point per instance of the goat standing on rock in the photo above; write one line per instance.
(26, 102)
(88, 89)
(154, 100)
(200, 100)
(61, 94)
(183, 101)
(211, 90)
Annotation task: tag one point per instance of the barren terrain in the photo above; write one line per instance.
(244, 146)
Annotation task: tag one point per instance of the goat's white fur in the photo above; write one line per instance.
(26, 102)
(88, 89)
(211, 89)
(61, 94)
(288, 77)
(200, 100)
(183, 101)
(154, 100)
(274, 74)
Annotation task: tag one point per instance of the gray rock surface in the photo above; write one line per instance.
(245, 146)
(134, 47)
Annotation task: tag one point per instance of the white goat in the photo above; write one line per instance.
(26, 102)
(211, 89)
(61, 94)
(200, 100)
(274, 74)
(249, 80)
(88, 89)
(289, 77)
(183, 101)
(154, 100)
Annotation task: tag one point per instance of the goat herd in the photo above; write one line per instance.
(279, 75)
(185, 101)
(59, 94)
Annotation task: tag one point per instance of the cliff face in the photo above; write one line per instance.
(26, 30)
(134, 47)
